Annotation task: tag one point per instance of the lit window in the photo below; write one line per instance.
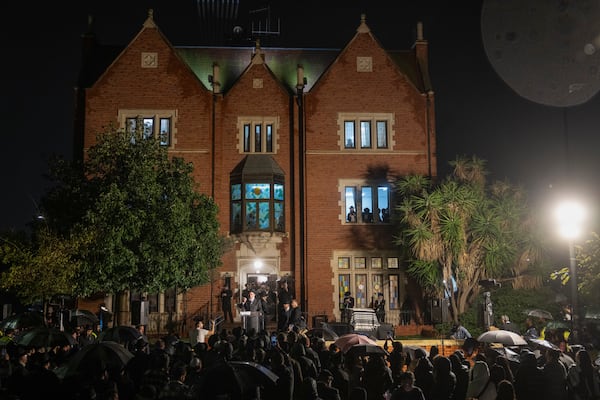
(365, 131)
(257, 202)
(382, 136)
(349, 135)
(258, 135)
(367, 204)
(151, 123)
(365, 134)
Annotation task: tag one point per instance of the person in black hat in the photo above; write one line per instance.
(285, 317)
(379, 307)
(347, 304)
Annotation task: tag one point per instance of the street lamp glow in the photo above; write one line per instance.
(570, 216)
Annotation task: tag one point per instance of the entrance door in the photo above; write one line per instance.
(260, 281)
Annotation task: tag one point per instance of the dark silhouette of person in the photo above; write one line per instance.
(285, 316)
(347, 304)
(226, 296)
(351, 217)
(379, 307)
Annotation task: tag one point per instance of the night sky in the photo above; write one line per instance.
(538, 146)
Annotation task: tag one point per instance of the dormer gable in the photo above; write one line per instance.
(257, 60)
(364, 46)
(149, 50)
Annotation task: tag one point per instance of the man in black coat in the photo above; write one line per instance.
(285, 318)
(252, 303)
(226, 296)
(296, 319)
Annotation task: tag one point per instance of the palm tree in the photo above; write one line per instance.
(458, 233)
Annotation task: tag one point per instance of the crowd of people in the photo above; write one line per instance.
(304, 368)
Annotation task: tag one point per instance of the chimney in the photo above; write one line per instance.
(216, 79)
(421, 46)
(299, 77)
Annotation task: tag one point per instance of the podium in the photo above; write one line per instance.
(252, 320)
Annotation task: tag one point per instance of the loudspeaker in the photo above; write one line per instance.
(439, 311)
(139, 312)
(340, 328)
(384, 330)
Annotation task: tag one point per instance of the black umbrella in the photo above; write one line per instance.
(325, 333)
(80, 317)
(365, 349)
(122, 334)
(412, 350)
(45, 337)
(29, 319)
(92, 358)
(222, 381)
(251, 372)
(542, 344)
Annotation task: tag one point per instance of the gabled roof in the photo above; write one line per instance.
(406, 61)
(233, 61)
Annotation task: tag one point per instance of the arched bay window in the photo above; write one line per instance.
(257, 195)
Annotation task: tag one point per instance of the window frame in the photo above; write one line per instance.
(126, 116)
(353, 135)
(258, 135)
(353, 193)
(241, 206)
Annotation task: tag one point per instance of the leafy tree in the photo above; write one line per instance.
(149, 227)
(460, 231)
(588, 270)
(39, 268)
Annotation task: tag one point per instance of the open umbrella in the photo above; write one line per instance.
(29, 319)
(123, 334)
(221, 381)
(325, 333)
(509, 354)
(45, 337)
(506, 338)
(365, 349)
(91, 358)
(348, 340)
(537, 313)
(249, 372)
(80, 317)
(542, 344)
(412, 351)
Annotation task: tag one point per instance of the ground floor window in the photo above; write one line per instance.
(365, 277)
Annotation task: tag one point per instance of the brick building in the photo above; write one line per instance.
(298, 147)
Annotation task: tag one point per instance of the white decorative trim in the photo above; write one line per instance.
(364, 64)
(149, 59)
